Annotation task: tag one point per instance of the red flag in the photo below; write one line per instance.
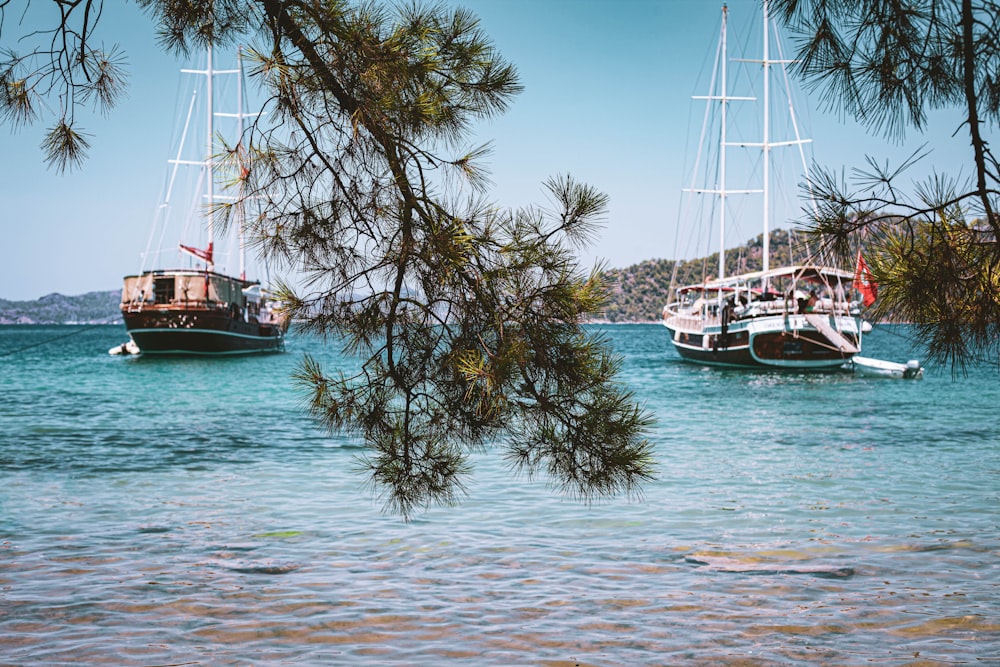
(204, 255)
(863, 282)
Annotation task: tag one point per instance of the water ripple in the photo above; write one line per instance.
(155, 512)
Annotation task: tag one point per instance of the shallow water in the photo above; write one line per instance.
(184, 511)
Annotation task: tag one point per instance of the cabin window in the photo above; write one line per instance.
(163, 289)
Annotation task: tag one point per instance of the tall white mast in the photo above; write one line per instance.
(766, 144)
(207, 162)
(239, 143)
(209, 165)
(722, 152)
(723, 98)
(766, 141)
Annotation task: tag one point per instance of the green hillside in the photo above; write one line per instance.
(639, 292)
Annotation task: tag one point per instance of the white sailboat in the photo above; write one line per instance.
(201, 310)
(796, 317)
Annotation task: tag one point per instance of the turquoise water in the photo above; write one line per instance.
(184, 511)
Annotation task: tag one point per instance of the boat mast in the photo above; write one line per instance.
(723, 98)
(722, 152)
(209, 163)
(766, 143)
(239, 142)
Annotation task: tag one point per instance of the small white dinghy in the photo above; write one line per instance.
(128, 347)
(911, 370)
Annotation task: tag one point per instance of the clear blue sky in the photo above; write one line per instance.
(607, 99)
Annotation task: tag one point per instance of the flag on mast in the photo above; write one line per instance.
(203, 255)
(863, 282)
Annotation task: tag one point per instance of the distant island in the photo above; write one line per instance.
(89, 308)
(638, 292)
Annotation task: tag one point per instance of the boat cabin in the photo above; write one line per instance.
(788, 290)
(186, 288)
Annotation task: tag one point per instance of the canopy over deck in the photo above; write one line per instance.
(820, 275)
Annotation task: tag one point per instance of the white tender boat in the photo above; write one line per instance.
(911, 370)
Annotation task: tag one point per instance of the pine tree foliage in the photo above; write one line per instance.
(466, 318)
(933, 252)
(62, 62)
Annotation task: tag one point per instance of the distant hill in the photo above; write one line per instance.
(55, 308)
(639, 292)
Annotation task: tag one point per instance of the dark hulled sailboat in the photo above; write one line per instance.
(799, 317)
(201, 310)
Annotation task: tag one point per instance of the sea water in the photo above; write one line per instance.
(185, 511)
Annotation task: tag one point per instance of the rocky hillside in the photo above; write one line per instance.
(639, 292)
(89, 308)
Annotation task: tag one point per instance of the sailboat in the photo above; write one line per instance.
(800, 316)
(201, 309)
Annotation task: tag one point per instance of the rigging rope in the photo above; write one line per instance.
(53, 339)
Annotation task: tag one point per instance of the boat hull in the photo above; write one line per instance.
(774, 342)
(200, 331)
